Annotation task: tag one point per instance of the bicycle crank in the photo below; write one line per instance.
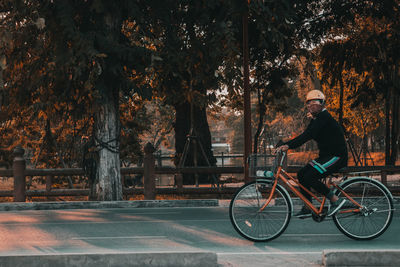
(318, 218)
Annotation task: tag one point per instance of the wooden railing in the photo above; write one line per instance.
(149, 171)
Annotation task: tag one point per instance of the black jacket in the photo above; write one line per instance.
(328, 134)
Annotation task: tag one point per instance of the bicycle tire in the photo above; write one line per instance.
(376, 215)
(256, 225)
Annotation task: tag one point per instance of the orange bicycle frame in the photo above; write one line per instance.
(288, 180)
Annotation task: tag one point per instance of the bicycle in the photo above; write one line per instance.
(261, 210)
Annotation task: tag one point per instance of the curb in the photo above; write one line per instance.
(108, 204)
(361, 257)
(127, 204)
(191, 259)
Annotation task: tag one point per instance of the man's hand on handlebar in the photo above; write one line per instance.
(282, 148)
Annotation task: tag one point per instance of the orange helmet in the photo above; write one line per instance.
(315, 95)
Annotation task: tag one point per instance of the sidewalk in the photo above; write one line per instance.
(191, 259)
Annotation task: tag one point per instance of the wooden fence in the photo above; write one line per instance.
(149, 171)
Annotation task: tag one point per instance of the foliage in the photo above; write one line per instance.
(360, 120)
(370, 50)
(367, 46)
(62, 61)
(191, 40)
(70, 59)
(59, 61)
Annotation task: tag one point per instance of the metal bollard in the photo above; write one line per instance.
(149, 173)
(19, 174)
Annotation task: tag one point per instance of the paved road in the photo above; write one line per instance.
(173, 229)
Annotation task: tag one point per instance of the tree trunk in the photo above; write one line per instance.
(202, 136)
(395, 130)
(107, 183)
(387, 128)
(261, 115)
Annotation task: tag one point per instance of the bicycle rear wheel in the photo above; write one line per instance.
(375, 215)
(253, 223)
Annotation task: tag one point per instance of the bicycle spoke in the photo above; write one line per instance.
(362, 196)
(375, 215)
(252, 222)
(380, 211)
(380, 201)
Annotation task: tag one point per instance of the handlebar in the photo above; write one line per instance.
(280, 157)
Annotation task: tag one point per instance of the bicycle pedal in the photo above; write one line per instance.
(304, 216)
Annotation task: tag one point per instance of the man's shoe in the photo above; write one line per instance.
(303, 213)
(335, 206)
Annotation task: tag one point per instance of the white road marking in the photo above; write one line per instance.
(312, 234)
(270, 253)
(148, 213)
(118, 237)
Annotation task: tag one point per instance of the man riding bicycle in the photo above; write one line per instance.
(328, 134)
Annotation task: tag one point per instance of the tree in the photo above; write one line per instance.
(74, 53)
(357, 121)
(369, 47)
(188, 37)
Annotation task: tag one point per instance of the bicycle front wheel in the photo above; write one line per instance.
(375, 214)
(252, 221)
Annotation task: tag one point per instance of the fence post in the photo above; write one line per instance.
(179, 181)
(49, 182)
(19, 174)
(149, 171)
(159, 159)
